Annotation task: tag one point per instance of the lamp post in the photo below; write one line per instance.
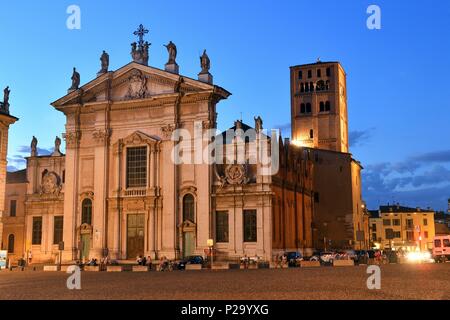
(210, 244)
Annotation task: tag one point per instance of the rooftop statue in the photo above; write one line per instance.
(205, 63)
(104, 62)
(75, 80)
(172, 50)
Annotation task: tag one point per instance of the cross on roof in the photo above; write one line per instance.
(140, 32)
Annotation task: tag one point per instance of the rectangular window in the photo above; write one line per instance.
(300, 74)
(37, 231)
(446, 243)
(316, 197)
(222, 226)
(396, 222)
(13, 208)
(425, 222)
(309, 74)
(425, 234)
(374, 237)
(409, 223)
(319, 73)
(410, 235)
(437, 243)
(58, 229)
(328, 72)
(374, 227)
(386, 222)
(137, 167)
(397, 234)
(250, 226)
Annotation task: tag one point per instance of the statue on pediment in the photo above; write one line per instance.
(205, 63)
(56, 151)
(258, 124)
(5, 106)
(104, 62)
(172, 50)
(75, 80)
(33, 147)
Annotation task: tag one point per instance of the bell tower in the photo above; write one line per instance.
(5, 121)
(319, 106)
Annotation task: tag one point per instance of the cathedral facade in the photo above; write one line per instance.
(120, 190)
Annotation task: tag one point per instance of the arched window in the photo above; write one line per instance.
(306, 87)
(11, 243)
(319, 73)
(308, 107)
(86, 212)
(188, 208)
(302, 108)
(322, 106)
(302, 87)
(311, 86)
(327, 106)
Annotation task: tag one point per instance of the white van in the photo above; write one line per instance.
(441, 248)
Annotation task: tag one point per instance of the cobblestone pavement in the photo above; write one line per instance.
(424, 281)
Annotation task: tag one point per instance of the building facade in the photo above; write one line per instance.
(118, 190)
(405, 228)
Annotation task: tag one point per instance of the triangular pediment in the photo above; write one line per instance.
(140, 138)
(135, 81)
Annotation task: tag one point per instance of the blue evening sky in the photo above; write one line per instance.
(399, 109)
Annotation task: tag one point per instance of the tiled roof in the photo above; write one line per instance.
(401, 209)
(17, 176)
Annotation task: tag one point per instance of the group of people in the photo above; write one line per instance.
(144, 261)
(281, 261)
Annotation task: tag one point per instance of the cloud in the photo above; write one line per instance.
(284, 128)
(11, 169)
(437, 156)
(359, 137)
(421, 180)
(41, 151)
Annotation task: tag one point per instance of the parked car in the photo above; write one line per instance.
(441, 248)
(190, 260)
(293, 258)
(325, 258)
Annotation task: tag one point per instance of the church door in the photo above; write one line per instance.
(188, 244)
(135, 235)
(85, 246)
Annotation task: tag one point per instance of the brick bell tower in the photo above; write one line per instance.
(5, 121)
(319, 106)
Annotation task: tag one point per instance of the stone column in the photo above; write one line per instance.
(5, 121)
(71, 195)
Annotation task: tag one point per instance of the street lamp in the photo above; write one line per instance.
(210, 244)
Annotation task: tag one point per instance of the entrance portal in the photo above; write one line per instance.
(135, 235)
(188, 244)
(85, 246)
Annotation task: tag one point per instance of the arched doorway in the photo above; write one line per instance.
(86, 230)
(188, 226)
(11, 239)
